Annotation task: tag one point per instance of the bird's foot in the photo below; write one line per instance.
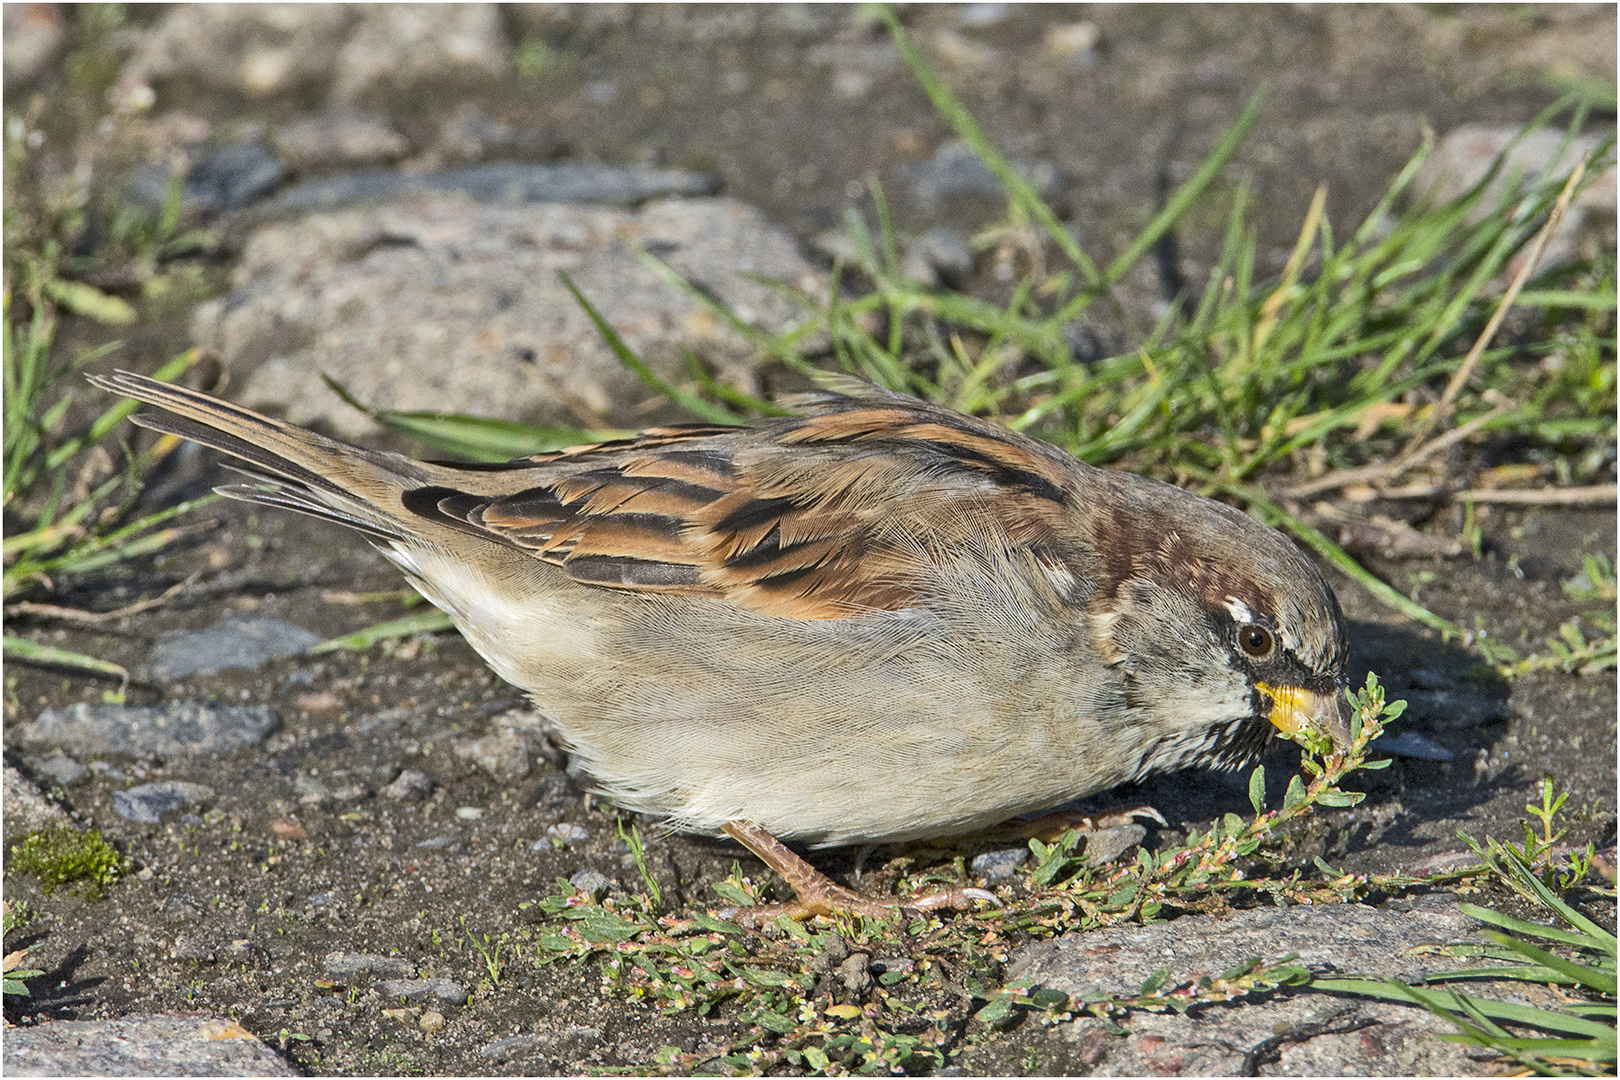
(1051, 827)
(817, 894)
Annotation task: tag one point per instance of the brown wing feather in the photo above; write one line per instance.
(814, 517)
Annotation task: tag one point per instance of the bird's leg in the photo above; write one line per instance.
(817, 894)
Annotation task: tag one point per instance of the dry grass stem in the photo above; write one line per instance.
(1459, 378)
(91, 618)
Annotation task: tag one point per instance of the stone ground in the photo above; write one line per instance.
(315, 836)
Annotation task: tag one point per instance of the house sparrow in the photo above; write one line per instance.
(875, 620)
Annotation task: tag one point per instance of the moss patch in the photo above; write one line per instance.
(83, 861)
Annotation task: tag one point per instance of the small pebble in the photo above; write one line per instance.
(591, 882)
(61, 770)
(999, 864)
(415, 989)
(854, 974)
(149, 802)
(409, 786)
(287, 828)
(565, 833)
(347, 964)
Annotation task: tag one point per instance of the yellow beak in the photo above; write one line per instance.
(1295, 709)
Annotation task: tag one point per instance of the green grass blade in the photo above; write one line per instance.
(1019, 190)
(475, 437)
(1592, 978)
(1189, 192)
(33, 652)
(1520, 926)
(1446, 1000)
(714, 414)
(430, 621)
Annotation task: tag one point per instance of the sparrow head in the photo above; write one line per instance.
(1224, 631)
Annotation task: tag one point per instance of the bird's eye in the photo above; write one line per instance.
(1255, 641)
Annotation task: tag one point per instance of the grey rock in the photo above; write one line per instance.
(238, 642)
(61, 770)
(442, 306)
(423, 989)
(440, 843)
(1075, 43)
(510, 1047)
(939, 255)
(150, 1045)
(352, 50)
(1342, 937)
(573, 1041)
(409, 786)
(173, 730)
(33, 35)
(25, 803)
(1347, 939)
(470, 134)
(310, 790)
(592, 882)
(342, 138)
(1462, 158)
(418, 43)
(978, 16)
(497, 182)
(347, 965)
(149, 802)
(1106, 845)
(503, 755)
(251, 49)
(999, 864)
(225, 179)
(955, 170)
(834, 951)
(190, 948)
(854, 972)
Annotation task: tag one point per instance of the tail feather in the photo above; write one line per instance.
(292, 467)
(265, 463)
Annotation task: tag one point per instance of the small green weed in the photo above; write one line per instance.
(11, 967)
(489, 950)
(1582, 650)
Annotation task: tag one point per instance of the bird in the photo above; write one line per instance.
(872, 620)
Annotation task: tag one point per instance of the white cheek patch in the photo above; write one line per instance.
(1240, 611)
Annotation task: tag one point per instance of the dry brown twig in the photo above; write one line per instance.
(90, 618)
